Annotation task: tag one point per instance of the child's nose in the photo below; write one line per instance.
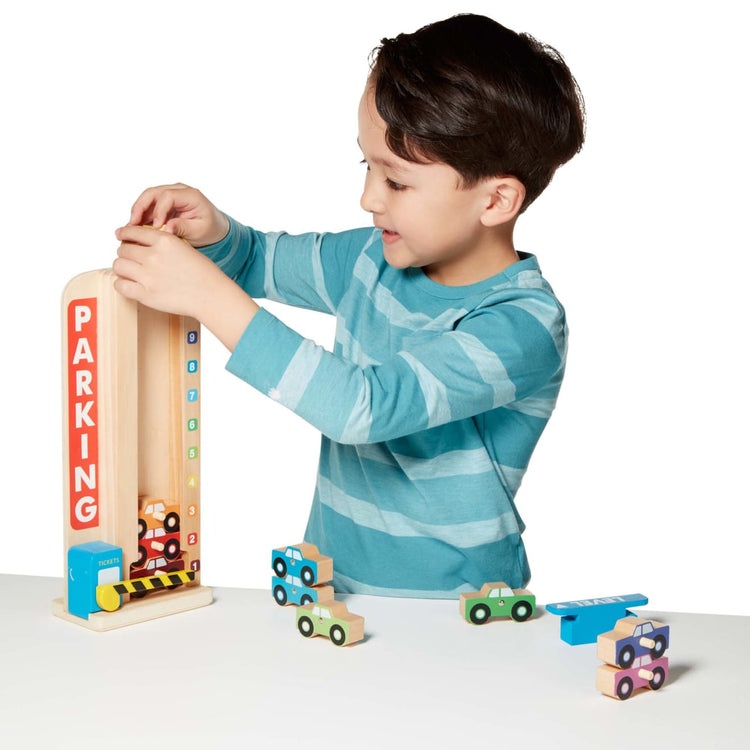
(370, 200)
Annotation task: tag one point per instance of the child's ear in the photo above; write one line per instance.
(505, 197)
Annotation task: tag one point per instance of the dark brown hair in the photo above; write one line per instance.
(481, 98)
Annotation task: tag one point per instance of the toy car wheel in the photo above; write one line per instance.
(479, 614)
(305, 626)
(279, 595)
(658, 679)
(142, 555)
(279, 567)
(337, 635)
(307, 576)
(625, 689)
(660, 646)
(306, 599)
(627, 655)
(142, 528)
(172, 549)
(172, 522)
(521, 611)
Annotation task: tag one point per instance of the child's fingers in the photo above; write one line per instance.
(165, 206)
(140, 212)
(171, 201)
(125, 268)
(136, 235)
(130, 251)
(128, 288)
(154, 203)
(177, 227)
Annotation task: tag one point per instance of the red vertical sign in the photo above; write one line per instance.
(83, 415)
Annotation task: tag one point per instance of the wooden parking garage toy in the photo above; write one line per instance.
(583, 620)
(131, 431)
(496, 600)
(634, 656)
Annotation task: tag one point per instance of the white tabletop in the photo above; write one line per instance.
(237, 674)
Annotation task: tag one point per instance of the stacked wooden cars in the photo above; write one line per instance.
(301, 578)
(634, 657)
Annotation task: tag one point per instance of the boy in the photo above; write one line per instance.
(450, 346)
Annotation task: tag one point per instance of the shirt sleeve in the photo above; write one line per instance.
(311, 270)
(506, 354)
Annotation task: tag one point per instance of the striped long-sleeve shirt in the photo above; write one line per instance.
(430, 404)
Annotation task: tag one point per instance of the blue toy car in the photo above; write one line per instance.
(304, 561)
(291, 590)
(632, 637)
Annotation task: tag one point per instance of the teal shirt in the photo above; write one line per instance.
(430, 404)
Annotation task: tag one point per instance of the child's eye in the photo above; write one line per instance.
(394, 185)
(389, 182)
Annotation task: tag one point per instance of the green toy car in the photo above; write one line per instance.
(332, 620)
(497, 600)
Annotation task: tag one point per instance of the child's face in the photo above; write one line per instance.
(428, 221)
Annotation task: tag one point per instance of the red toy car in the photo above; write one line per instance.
(157, 542)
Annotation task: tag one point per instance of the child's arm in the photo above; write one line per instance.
(162, 272)
(502, 354)
(507, 353)
(496, 356)
(311, 270)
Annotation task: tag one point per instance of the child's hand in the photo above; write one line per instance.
(163, 271)
(181, 210)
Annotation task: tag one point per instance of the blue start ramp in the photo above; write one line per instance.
(583, 620)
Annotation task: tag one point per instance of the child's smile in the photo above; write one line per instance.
(389, 238)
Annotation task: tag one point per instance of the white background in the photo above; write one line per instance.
(638, 483)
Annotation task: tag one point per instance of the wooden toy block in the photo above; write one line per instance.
(496, 600)
(632, 637)
(130, 431)
(583, 620)
(303, 561)
(333, 620)
(644, 672)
